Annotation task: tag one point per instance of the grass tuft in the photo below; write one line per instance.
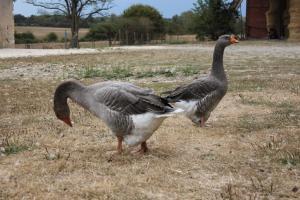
(14, 149)
(189, 70)
(290, 157)
(10, 143)
(114, 73)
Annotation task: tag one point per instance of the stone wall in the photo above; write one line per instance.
(6, 24)
(256, 19)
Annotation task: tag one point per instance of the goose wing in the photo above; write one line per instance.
(122, 85)
(196, 90)
(128, 103)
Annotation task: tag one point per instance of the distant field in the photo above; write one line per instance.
(41, 32)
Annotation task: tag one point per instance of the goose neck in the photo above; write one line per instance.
(70, 89)
(217, 65)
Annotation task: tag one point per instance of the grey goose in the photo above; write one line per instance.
(132, 113)
(199, 98)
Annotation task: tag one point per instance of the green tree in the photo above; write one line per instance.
(213, 18)
(147, 12)
(128, 30)
(174, 25)
(181, 24)
(188, 22)
(102, 31)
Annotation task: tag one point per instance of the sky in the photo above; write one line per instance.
(167, 8)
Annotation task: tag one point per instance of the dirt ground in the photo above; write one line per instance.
(250, 149)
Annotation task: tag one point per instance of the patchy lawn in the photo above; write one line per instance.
(249, 150)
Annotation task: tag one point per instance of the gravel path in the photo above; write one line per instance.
(17, 53)
(236, 56)
(282, 49)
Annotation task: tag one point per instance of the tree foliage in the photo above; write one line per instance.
(181, 24)
(25, 38)
(213, 18)
(139, 23)
(127, 30)
(148, 13)
(51, 37)
(53, 20)
(42, 20)
(102, 31)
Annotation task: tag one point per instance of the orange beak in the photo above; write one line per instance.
(233, 39)
(67, 121)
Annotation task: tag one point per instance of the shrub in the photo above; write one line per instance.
(144, 11)
(51, 37)
(101, 31)
(25, 38)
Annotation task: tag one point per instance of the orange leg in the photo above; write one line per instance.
(119, 147)
(202, 124)
(144, 147)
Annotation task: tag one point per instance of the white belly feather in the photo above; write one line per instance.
(144, 126)
(189, 107)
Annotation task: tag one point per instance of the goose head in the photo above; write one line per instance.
(62, 112)
(197, 118)
(226, 40)
(60, 107)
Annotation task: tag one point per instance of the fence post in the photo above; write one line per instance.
(120, 37)
(65, 39)
(148, 38)
(127, 37)
(134, 37)
(142, 38)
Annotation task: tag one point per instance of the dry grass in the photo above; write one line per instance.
(250, 149)
(41, 32)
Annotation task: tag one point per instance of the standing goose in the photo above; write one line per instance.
(199, 98)
(132, 113)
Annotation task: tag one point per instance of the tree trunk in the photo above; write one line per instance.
(127, 37)
(6, 25)
(74, 25)
(109, 36)
(75, 31)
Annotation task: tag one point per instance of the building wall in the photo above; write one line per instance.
(256, 24)
(6, 24)
(267, 16)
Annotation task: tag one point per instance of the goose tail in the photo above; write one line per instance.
(171, 112)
